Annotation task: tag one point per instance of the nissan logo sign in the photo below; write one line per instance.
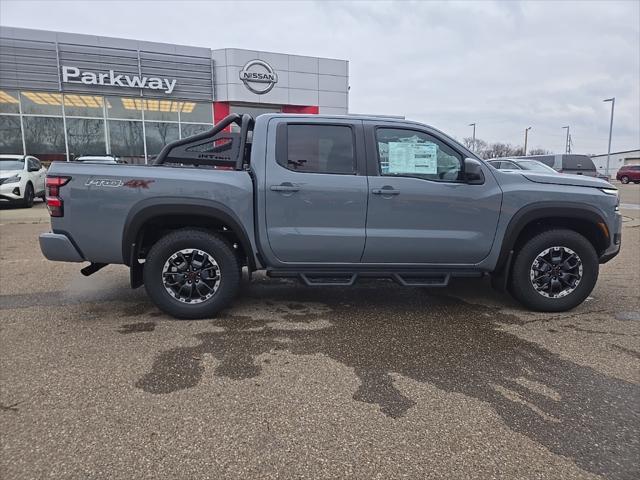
(258, 76)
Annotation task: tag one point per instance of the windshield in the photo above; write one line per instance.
(536, 166)
(11, 164)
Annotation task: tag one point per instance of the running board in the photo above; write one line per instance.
(324, 278)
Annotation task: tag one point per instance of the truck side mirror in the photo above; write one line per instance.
(473, 171)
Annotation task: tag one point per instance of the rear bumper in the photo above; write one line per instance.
(58, 247)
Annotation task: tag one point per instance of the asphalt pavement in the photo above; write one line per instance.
(374, 381)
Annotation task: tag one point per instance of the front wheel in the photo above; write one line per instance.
(624, 179)
(27, 200)
(554, 271)
(191, 274)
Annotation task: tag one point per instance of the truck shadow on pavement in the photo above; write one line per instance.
(572, 410)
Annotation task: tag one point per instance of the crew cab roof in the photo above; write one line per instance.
(368, 117)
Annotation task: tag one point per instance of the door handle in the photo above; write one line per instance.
(385, 191)
(284, 188)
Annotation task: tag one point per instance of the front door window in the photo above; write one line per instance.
(410, 153)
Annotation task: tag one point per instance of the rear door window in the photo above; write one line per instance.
(319, 149)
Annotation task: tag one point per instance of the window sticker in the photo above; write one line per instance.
(412, 157)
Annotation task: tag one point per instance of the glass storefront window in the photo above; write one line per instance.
(158, 135)
(87, 118)
(10, 135)
(41, 103)
(164, 110)
(9, 101)
(85, 137)
(44, 137)
(83, 106)
(126, 140)
(188, 129)
(124, 107)
(196, 112)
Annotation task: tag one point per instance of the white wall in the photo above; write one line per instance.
(617, 161)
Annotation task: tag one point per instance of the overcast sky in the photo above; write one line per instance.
(504, 65)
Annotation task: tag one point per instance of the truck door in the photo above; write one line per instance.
(420, 208)
(316, 199)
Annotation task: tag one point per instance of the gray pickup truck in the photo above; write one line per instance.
(328, 200)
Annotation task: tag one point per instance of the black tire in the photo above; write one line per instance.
(521, 284)
(27, 200)
(229, 270)
(624, 179)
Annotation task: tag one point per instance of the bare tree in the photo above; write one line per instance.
(539, 151)
(498, 149)
(478, 147)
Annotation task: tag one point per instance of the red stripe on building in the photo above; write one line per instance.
(309, 109)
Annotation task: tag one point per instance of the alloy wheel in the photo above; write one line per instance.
(191, 276)
(556, 272)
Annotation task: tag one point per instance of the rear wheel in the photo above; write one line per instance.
(554, 271)
(27, 200)
(191, 274)
(624, 179)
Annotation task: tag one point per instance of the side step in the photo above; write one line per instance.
(92, 268)
(324, 278)
(413, 280)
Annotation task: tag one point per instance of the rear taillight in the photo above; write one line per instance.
(54, 202)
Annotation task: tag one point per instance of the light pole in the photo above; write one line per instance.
(613, 104)
(526, 134)
(473, 141)
(566, 144)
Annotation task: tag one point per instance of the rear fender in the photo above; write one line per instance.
(151, 209)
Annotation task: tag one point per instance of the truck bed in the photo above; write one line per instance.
(100, 200)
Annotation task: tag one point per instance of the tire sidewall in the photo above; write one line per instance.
(521, 286)
(624, 179)
(212, 244)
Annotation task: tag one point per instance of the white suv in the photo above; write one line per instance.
(22, 179)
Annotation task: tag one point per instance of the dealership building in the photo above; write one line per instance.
(617, 160)
(63, 95)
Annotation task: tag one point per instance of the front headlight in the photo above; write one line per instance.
(14, 179)
(610, 191)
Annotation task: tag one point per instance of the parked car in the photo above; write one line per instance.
(521, 164)
(22, 178)
(328, 200)
(629, 173)
(104, 159)
(566, 163)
